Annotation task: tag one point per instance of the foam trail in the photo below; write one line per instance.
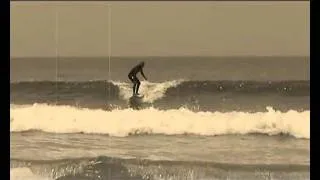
(67, 119)
(151, 91)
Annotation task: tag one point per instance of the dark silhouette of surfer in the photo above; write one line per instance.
(133, 77)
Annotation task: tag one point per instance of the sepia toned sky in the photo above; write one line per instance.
(47, 29)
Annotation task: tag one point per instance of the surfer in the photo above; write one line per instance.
(133, 77)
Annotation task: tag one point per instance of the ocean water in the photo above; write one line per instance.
(199, 118)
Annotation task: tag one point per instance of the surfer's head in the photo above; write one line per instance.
(141, 64)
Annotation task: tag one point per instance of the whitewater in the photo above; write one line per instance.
(124, 122)
(150, 91)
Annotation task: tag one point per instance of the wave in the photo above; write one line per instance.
(154, 91)
(98, 89)
(292, 88)
(125, 122)
(224, 96)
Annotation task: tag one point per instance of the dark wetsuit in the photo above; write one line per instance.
(133, 77)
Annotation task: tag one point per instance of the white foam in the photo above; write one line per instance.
(150, 91)
(25, 174)
(67, 119)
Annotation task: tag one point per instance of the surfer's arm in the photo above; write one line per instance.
(141, 71)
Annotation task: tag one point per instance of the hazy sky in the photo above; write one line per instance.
(160, 28)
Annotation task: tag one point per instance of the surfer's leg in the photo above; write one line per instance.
(137, 86)
(134, 88)
(132, 79)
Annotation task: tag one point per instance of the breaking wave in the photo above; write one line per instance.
(124, 122)
(150, 91)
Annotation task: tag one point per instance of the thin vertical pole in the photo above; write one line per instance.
(109, 49)
(109, 67)
(57, 50)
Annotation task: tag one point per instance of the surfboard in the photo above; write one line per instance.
(139, 96)
(135, 102)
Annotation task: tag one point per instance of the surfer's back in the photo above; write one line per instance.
(135, 70)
